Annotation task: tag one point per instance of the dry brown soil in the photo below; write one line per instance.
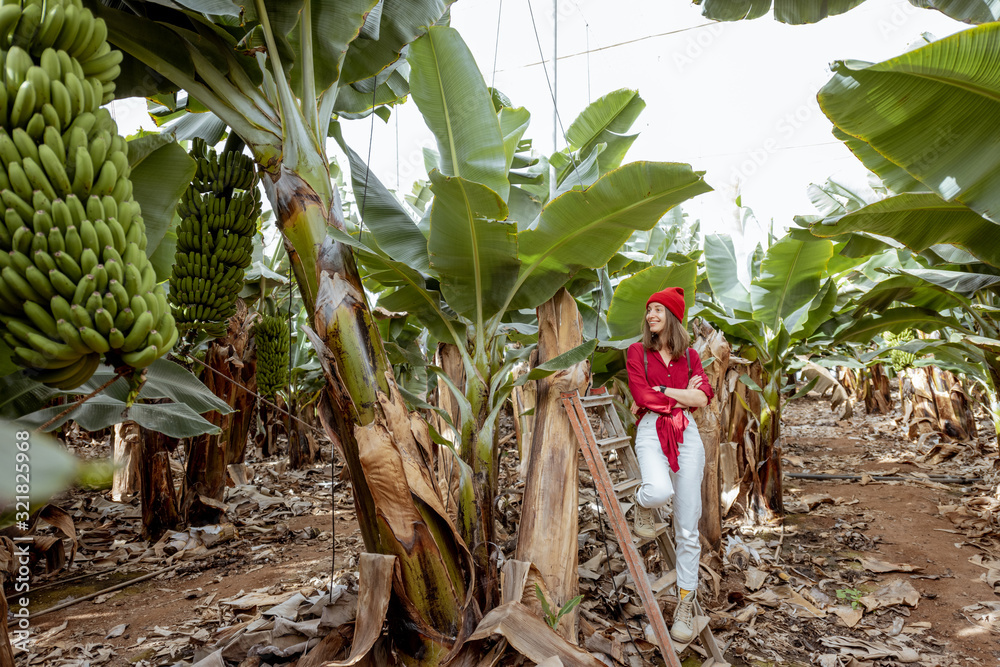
(896, 522)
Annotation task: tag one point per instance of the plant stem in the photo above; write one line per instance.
(80, 401)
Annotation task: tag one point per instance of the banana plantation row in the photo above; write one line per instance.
(134, 268)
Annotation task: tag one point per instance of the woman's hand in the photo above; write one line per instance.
(634, 409)
(694, 382)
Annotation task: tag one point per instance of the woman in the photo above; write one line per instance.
(666, 379)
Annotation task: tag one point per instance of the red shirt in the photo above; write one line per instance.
(672, 421)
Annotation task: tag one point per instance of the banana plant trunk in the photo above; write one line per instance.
(387, 450)
(156, 488)
(769, 500)
(548, 535)
(303, 450)
(125, 483)
(711, 344)
(208, 455)
(993, 369)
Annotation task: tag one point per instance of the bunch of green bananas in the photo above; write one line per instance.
(900, 360)
(75, 282)
(272, 354)
(214, 239)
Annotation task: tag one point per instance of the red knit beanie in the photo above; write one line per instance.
(672, 299)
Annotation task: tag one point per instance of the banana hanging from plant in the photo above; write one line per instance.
(219, 213)
(76, 286)
(273, 343)
(900, 360)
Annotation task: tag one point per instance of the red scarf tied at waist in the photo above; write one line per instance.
(670, 429)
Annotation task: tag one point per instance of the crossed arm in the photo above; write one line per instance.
(691, 397)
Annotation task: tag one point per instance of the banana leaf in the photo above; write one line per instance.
(458, 109)
(473, 249)
(723, 275)
(790, 277)
(628, 306)
(919, 221)
(797, 12)
(929, 112)
(175, 420)
(51, 467)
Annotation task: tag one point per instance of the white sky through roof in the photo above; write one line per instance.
(737, 100)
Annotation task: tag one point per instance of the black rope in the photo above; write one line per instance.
(555, 108)
(184, 356)
(496, 48)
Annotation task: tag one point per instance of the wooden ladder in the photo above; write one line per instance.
(615, 440)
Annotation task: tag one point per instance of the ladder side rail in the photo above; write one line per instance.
(605, 489)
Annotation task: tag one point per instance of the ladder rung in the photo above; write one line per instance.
(660, 585)
(616, 442)
(591, 401)
(664, 583)
(626, 487)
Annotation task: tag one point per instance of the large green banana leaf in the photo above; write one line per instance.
(797, 12)
(384, 216)
(457, 107)
(218, 7)
(585, 229)
(473, 249)
(919, 221)
(628, 305)
(175, 420)
(896, 320)
(894, 177)
(52, 467)
(606, 121)
(165, 380)
(790, 277)
(399, 23)
(333, 26)
(932, 112)
(967, 11)
(723, 275)
(817, 312)
(910, 290)
(965, 283)
(161, 172)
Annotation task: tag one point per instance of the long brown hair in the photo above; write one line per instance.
(674, 336)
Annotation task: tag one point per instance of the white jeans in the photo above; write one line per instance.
(659, 483)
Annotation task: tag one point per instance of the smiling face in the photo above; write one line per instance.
(656, 317)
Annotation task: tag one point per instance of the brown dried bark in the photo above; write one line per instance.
(524, 398)
(934, 402)
(449, 358)
(228, 361)
(878, 400)
(547, 536)
(159, 502)
(710, 343)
